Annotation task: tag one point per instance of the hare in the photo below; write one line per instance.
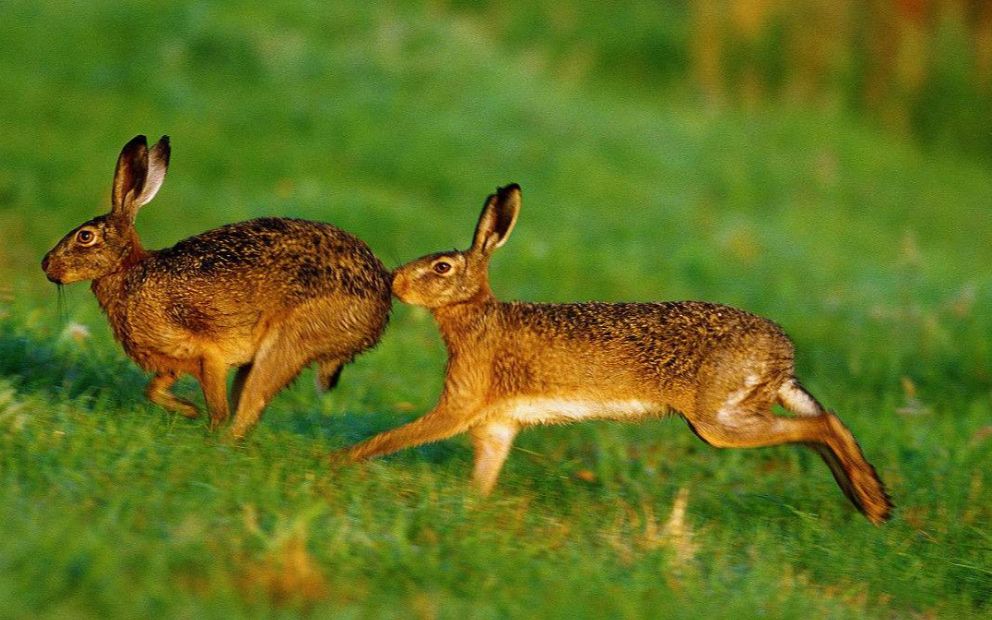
(267, 296)
(513, 365)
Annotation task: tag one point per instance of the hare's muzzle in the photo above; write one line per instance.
(398, 285)
(45, 264)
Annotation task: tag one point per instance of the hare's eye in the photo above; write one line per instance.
(442, 267)
(85, 237)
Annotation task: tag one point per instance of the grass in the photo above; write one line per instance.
(394, 123)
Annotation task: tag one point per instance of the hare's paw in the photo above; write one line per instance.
(873, 500)
(159, 392)
(233, 437)
(339, 459)
(177, 405)
(185, 408)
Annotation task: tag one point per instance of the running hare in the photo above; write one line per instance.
(512, 365)
(268, 296)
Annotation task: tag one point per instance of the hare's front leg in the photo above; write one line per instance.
(440, 423)
(158, 391)
(492, 442)
(213, 380)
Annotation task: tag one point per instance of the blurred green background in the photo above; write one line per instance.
(827, 164)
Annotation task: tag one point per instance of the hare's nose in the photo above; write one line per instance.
(45, 262)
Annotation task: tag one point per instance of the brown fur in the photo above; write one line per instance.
(513, 365)
(267, 296)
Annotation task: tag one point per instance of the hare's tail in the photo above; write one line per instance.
(838, 448)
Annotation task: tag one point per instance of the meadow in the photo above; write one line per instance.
(394, 122)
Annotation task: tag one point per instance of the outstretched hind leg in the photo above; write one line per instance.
(277, 362)
(855, 476)
(745, 420)
(797, 400)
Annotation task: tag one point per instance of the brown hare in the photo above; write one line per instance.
(267, 296)
(512, 365)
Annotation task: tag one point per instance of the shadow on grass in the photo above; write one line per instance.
(64, 367)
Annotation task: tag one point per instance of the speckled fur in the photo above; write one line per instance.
(657, 346)
(267, 296)
(513, 365)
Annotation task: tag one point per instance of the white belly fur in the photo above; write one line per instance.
(528, 411)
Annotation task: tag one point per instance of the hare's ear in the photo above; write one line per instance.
(499, 215)
(132, 167)
(158, 163)
(139, 175)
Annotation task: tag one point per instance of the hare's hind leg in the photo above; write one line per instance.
(743, 419)
(492, 444)
(796, 399)
(277, 362)
(329, 373)
(855, 476)
(158, 391)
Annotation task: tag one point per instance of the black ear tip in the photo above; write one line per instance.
(163, 149)
(136, 144)
(502, 194)
(506, 190)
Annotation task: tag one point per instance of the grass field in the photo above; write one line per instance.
(394, 123)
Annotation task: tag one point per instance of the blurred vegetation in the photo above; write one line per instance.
(759, 154)
(920, 68)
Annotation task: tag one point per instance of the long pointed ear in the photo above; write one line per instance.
(158, 163)
(499, 216)
(132, 168)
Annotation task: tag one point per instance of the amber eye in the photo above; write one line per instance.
(85, 237)
(442, 267)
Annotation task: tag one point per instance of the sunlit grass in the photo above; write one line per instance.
(394, 124)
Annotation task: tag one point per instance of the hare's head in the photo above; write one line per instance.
(457, 276)
(101, 245)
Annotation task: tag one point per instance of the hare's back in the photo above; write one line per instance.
(676, 333)
(615, 351)
(274, 259)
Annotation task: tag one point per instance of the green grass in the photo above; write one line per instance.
(395, 123)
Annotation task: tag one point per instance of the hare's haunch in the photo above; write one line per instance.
(267, 296)
(512, 365)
